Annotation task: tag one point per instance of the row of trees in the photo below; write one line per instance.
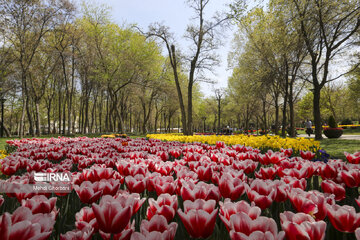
(63, 72)
(289, 47)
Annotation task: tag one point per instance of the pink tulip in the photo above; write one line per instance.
(23, 225)
(357, 234)
(197, 220)
(302, 226)
(231, 187)
(88, 192)
(86, 217)
(111, 216)
(331, 187)
(40, 204)
(124, 235)
(353, 158)
(343, 218)
(266, 173)
(164, 184)
(229, 208)
(351, 178)
(136, 184)
(77, 234)
(261, 193)
(165, 205)
(201, 190)
(307, 155)
(133, 200)
(243, 227)
(1, 200)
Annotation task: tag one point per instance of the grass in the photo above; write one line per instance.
(337, 147)
(348, 131)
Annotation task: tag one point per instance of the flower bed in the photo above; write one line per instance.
(261, 142)
(149, 189)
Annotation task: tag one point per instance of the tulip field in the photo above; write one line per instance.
(146, 188)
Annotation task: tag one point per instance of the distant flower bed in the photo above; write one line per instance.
(114, 136)
(261, 142)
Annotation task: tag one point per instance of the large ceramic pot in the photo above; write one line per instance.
(333, 132)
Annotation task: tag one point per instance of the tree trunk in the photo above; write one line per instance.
(264, 116)
(190, 109)
(316, 112)
(291, 108)
(38, 129)
(22, 120)
(178, 89)
(31, 126)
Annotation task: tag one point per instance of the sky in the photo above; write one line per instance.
(176, 15)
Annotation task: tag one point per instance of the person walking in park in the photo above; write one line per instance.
(308, 126)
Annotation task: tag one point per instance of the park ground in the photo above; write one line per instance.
(335, 147)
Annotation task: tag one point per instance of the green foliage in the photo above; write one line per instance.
(346, 122)
(331, 121)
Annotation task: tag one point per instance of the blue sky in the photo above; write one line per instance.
(176, 14)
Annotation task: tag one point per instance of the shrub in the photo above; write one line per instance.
(346, 122)
(332, 123)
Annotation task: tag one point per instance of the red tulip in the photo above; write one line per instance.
(287, 152)
(331, 187)
(243, 227)
(204, 173)
(1, 200)
(23, 225)
(159, 224)
(357, 234)
(312, 202)
(198, 204)
(77, 234)
(198, 223)
(261, 193)
(133, 200)
(124, 235)
(358, 201)
(111, 216)
(343, 218)
(176, 153)
(231, 187)
(351, 178)
(266, 173)
(229, 208)
(328, 171)
(109, 186)
(164, 184)
(165, 205)
(294, 182)
(86, 217)
(88, 192)
(136, 184)
(201, 190)
(40, 204)
(353, 158)
(307, 155)
(248, 165)
(302, 226)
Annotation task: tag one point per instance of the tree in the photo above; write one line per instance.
(27, 23)
(205, 39)
(327, 28)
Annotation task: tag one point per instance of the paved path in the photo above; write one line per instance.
(345, 137)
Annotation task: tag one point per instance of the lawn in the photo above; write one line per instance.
(335, 147)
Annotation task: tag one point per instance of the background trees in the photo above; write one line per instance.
(67, 70)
